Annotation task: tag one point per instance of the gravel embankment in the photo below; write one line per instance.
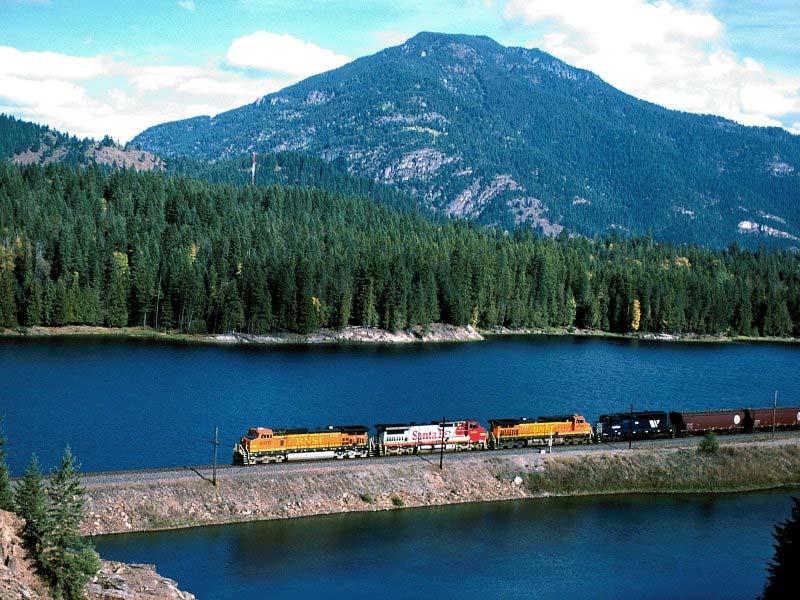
(171, 498)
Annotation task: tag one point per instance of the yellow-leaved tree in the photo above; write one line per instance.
(636, 315)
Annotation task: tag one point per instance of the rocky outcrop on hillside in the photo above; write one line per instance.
(114, 581)
(55, 148)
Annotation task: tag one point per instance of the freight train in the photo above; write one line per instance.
(265, 445)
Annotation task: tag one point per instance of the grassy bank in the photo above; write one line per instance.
(731, 469)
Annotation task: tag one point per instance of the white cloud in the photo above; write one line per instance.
(275, 53)
(41, 65)
(187, 5)
(123, 99)
(662, 52)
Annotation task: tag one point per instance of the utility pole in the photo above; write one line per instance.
(441, 448)
(215, 444)
(774, 411)
(630, 430)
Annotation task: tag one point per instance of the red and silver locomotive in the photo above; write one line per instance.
(412, 438)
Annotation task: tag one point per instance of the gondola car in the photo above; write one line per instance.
(637, 426)
(517, 433)
(265, 445)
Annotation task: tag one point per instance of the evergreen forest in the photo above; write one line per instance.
(119, 248)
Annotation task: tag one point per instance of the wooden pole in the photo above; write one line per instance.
(774, 411)
(630, 430)
(215, 443)
(441, 448)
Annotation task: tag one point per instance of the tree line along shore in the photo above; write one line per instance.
(123, 249)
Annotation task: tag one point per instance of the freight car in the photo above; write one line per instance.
(264, 445)
(413, 438)
(719, 421)
(637, 426)
(761, 419)
(518, 433)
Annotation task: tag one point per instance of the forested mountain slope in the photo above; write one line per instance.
(288, 169)
(28, 143)
(23, 142)
(512, 136)
(117, 247)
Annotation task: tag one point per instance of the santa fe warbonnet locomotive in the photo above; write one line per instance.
(265, 445)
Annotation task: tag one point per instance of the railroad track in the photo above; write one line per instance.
(226, 472)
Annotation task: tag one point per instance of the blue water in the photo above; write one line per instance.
(124, 404)
(619, 547)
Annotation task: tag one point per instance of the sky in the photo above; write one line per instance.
(97, 67)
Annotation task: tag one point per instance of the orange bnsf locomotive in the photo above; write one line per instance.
(264, 445)
(518, 433)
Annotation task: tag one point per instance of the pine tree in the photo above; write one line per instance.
(784, 566)
(34, 309)
(117, 295)
(69, 561)
(8, 305)
(31, 500)
(6, 493)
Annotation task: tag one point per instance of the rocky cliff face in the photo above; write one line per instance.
(114, 581)
(17, 578)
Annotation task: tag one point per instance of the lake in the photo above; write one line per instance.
(694, 546)
(137, 403)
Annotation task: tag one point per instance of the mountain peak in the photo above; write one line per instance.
(434, 37)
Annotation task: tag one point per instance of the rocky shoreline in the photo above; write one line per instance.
(119, 503)
(114, 581)
(432, 333)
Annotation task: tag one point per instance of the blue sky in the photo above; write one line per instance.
(95, 67)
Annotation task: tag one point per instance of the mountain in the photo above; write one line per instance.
(516, 137)
(27, 143)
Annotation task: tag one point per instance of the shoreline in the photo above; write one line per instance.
(119, 503)
(436, 333)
